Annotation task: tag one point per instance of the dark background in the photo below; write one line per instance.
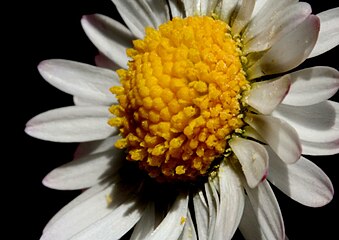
(52, 30)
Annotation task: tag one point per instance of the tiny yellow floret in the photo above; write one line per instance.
(179, 99)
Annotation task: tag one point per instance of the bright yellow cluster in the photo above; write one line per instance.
(179, 99)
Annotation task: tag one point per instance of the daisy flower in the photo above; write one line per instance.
(193, 111)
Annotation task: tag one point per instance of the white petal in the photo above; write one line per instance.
(172, 225)
(315, 123)
(138, 14)
(146, 224)
(265, 96)
(226, 9)
(116, 224)
(258, 6)
(251, 133)
(189, 230)
(79, 79)
(243, 16)
(303, 181)
(329, 32)
(266, 210)
(207, 7)
(71, 124)
(176, 8)
(87, 194)
(282, 138)
(86, 171)
(213, 203)
(249, 225)
(288, 52)
(266, 13)
(104, 62)
(191, 7)
(253, 159)
(284, 22)
(88, 211)
(78, 101)
(232, 199)
(109, 36)
(312, 85)
(94, 147)
(201, 214)
(316, 148)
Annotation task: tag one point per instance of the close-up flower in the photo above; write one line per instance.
(192, 119)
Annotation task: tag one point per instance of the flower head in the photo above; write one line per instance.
(204, 111)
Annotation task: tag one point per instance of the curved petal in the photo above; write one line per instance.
(265, 96)
(189, 229)
(191, 7)
(85, 172)
(109, 36)
(253, 159)
(87, 194)
(315, 123)
(226, 9)
(173, 224)
(258, 6)
(243, 16)
(71, 124)
(303, 181)
(213, 203)
(201, 214)
(79, 79)
(249, 225)
(266, 210)
(312, 85)
(288, 52)
(94, 147)
(176, 8)
(116, 224)
(207, 7)
(251, 133)
(146, 224)
(282, 23)
(329, 32)
(282, 138)
(88, 211)
(316, 148)
(232, 200)
(266, 13)
(138, 14)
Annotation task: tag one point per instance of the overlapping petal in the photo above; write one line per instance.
(312, 85)
(265, 96)
(86, 171)
(253, 159)
(303, 181)
(329, 32)
(109, 36)
(93, 209)
(266, 211)
(281, 137)
(232, 200)
(315, 123)
(289, 51)
(173, 224)
(138, 14)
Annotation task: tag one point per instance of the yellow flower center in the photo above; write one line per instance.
(180, 98)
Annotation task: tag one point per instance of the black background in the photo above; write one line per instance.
(51, 29)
